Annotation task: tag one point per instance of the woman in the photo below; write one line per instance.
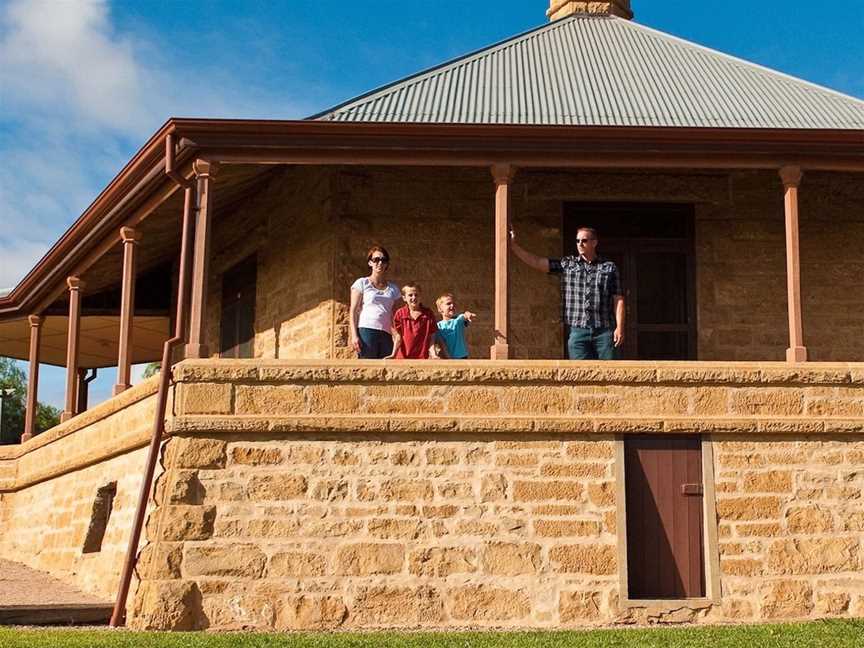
(371, 312)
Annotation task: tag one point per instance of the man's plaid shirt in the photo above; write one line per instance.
(587, 290)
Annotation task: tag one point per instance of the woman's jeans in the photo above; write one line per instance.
(590, 344)
(374, 343)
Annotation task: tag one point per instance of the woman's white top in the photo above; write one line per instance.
(377, 310)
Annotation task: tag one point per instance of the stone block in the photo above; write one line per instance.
(767, 402)
(182, 522)
(407, 489)
(493, 488)
(566, 528)
(278, 400)
(516, 460)
(382, 605)
(296, 564)
(311, 613)
(814, 556)
(471, 400)
(585, 470)
(774, 481)
(590, 449)
(205, 398)
(255, 456)
(329, 490)
(832, 603)
(578, 607)
(230, 560)
(194, 452)
(602, 494)
(303, 454)
(537, 400)
(367, 559)
(486, 603)
(741, 567)
(336, 399)
(395, 528)
(166, 605)
(179, 487)
(532, 491)
(809, 519)
(160, 561)
(442, 456)
(786, 599)
(749, 508)
(442, 561)
(277, 486)
(599, 560)
(405, 457)
(511, 559)
(759, 530)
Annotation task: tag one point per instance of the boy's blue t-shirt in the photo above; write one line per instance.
(453, 333)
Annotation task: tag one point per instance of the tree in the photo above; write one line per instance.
(151, 369)
(12, 424)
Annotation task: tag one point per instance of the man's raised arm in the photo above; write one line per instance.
(536, 262)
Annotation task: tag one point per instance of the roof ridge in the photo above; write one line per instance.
(464, 57)
(737, 59)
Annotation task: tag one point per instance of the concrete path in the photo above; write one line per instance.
(32, 597)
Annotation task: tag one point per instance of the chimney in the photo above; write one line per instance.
(562, 8)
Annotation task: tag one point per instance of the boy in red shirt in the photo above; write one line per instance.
(415, 331)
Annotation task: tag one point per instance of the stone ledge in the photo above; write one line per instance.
(522, 371)
(101, 411)
(548, 425)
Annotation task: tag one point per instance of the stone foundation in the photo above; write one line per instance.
(446, 494)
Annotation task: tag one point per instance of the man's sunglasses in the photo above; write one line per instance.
(583, 241)
(380, 260)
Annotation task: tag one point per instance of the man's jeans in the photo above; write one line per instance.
(590, 344)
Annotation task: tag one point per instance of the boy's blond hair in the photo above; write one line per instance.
(410, 284)
(442, 298)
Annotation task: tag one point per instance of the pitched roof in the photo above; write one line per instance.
(604, 71)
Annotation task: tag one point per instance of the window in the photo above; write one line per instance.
(237, 326)
(99, 516)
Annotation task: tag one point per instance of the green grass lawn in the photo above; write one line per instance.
(830, 634)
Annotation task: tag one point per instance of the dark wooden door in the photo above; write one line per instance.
(665, 547)
(652, 245)
(237, 325)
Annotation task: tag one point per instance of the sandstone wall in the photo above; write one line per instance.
(791, 526)
(446, 494)
(287, 225)
(311, 227)
(46, 502)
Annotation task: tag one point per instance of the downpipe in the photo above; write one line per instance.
(118, 617)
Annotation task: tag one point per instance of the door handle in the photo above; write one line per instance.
(692, 489)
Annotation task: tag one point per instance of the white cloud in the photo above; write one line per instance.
(78, 98)
(63, 56)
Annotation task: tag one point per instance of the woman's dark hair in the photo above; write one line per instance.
(377, 248)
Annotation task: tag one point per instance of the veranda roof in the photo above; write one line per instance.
(604, 71)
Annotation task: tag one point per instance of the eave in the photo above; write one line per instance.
(141, 185)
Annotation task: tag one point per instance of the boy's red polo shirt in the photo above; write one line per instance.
(417, 334)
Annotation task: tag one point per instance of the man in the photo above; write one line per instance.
(591, 297)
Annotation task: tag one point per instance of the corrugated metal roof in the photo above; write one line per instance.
(604, 71)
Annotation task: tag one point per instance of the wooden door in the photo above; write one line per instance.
(652, 245)
(664, 500)
(237, 323)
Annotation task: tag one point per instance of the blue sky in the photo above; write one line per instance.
(83, 83)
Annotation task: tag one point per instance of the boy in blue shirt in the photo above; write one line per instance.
(451, 329)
